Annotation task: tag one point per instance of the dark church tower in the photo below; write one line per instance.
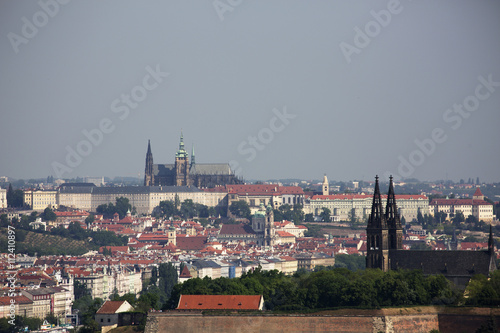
(377, 234)
(148, 172)
(393, 220)
(181, 165)
(269, 229)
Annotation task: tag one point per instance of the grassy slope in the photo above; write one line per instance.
(46, 244)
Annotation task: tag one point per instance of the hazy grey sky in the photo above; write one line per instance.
(280, 88)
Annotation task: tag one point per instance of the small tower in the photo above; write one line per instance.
(259, 223)
(269, 227)
(181, 165)
(326, 186)
(478, 195)
(148, 172)
(377, 234)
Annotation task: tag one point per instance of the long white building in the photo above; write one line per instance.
(342, 205)
(88, 197)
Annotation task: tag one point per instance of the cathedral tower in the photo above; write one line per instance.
(148, 172)
(393, 220)
(181, 165)
(377, 234)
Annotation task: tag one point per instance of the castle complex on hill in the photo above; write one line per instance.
(185, 173)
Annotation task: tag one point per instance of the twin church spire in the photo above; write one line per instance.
(384, 230)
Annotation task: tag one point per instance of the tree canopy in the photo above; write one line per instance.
(240, 209)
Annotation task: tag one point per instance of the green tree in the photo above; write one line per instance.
(202, 210)
(168, 278)
(122, 206)
(309, 217)
(240, 209)
(4, 221)
(325, 214)
(80, 290)
(48, 215)
(458, 218)
(188, 209)
(352, 262)
(166, 209)
(15, 198)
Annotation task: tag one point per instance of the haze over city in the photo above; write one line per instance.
(282, 89)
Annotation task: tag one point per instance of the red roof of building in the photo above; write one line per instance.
(185, 273)
(191, 243)
(236, 229)
(284, 234)
(217, 302)
(110, 307)
(478, 192)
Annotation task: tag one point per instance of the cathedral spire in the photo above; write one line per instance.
(377, 217)
(391, 209)
(181, 152)
(181, 142)
(148, 171)
(192, 156)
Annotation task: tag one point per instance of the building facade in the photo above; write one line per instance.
(3, 198)
(342, 206)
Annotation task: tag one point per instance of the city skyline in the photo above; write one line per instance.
(347, 89)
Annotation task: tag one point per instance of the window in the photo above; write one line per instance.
(109, 319)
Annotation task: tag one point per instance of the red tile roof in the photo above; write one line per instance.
(185, 273)
(192, 243)
(478, 193)
(236, 229)
(110, 307)
(216, 302)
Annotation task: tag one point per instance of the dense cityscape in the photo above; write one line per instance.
(254, 166)
(77, 252)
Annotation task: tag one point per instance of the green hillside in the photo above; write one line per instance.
(30, 242)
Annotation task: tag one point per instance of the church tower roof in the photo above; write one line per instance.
(181, 152)
(391, 209)
(192, 156)
(377, 217)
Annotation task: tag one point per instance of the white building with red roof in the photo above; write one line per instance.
(477, 207)
(107, 315)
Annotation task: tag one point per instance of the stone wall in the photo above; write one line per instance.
(356, 321)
